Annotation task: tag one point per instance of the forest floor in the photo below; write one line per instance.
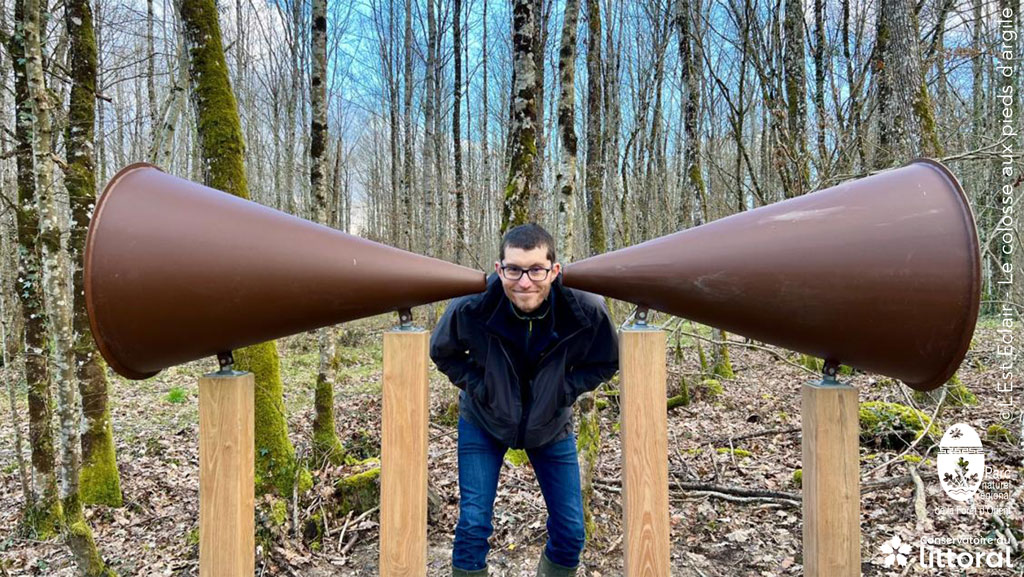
(746, 435)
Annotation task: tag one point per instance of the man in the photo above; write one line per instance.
(522, 352)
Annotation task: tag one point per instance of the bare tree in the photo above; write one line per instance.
(595, 135)
(524, 103)
(565, 181)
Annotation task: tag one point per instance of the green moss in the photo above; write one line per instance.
(516, 457)
(99, 480)
(44, 519)
(958, 395)
(192, 538)
(892, 425)
(325, 439)
(175, 396)
(712, 387)
(601, 404)
(912, 458)
(588, 446)
(741, 453)
(359, 492)
(798, 478)
(813, 363)
(278, 512)
(275, 455)
(723, 367)
(1000, 433)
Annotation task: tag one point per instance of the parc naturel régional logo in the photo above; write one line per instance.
(961, 462)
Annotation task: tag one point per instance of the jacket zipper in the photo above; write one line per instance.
(525, 416)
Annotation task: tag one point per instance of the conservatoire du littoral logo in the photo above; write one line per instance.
(895, 552)
(961, 462)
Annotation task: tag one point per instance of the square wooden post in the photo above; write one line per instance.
(227, 452)
(831, 480)
(644, 433)
(403, 455)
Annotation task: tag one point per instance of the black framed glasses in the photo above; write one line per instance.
(535, 273)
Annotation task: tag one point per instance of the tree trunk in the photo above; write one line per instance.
(595, 140)
(796, 98)
(429, 110)
(820, 67)
(325, 438)
(566, 178)
(56, 276)
(100, 482)
(43, 511)
(906, 120)
(523, 135)
(410, 134)
(221, 151)
(460, 197)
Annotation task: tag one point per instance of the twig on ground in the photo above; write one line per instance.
(920, 506)
(344, 529)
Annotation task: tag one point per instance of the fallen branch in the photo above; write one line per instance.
(920, 506)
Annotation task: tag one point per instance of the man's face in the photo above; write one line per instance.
(525, 293)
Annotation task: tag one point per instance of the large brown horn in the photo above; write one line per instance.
(881, 273)
(176, 271)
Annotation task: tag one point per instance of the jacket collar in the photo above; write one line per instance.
(569, 315)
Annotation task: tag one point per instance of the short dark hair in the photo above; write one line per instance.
(528, 237)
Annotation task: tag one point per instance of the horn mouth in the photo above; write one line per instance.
(90, 304)
(970, 317)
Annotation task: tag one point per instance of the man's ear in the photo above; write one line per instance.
(556, 268)
(497, 267)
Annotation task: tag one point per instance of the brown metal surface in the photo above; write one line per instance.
(176, 271)
(881, 273)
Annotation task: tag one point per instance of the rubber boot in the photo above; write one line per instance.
(548, 568)
(456, 572)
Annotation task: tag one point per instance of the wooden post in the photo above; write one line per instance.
(831, 481)
(403, 455)
(227, 542)
(644, 452)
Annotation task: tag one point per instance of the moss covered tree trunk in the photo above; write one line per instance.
(906, 118)
(796, 98)
(222, 159)
(565, 181)
(325, 439)
(43, 510)
(57, 273)
(523, 137)
(694, 179)
(100, 482)
(595, 135)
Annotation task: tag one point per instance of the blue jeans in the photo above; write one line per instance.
(558, 472)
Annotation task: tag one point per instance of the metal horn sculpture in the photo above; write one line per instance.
(881, 273)
(176, 271)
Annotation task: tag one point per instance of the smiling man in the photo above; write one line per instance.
(522, 352)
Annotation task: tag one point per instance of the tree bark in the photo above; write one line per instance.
(222, 152)
(523, 134)
(906, 119)
(325, 438)
(796, 98)
(56, 276)
(460, 197)
(595, 134)
(43, 511)
(100, 481)
(566, 178)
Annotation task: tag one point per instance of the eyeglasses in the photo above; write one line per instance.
(535, 273)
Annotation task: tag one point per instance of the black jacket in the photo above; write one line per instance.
(472, 345)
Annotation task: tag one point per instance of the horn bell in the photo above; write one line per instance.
(176, 271)
(881, 273)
